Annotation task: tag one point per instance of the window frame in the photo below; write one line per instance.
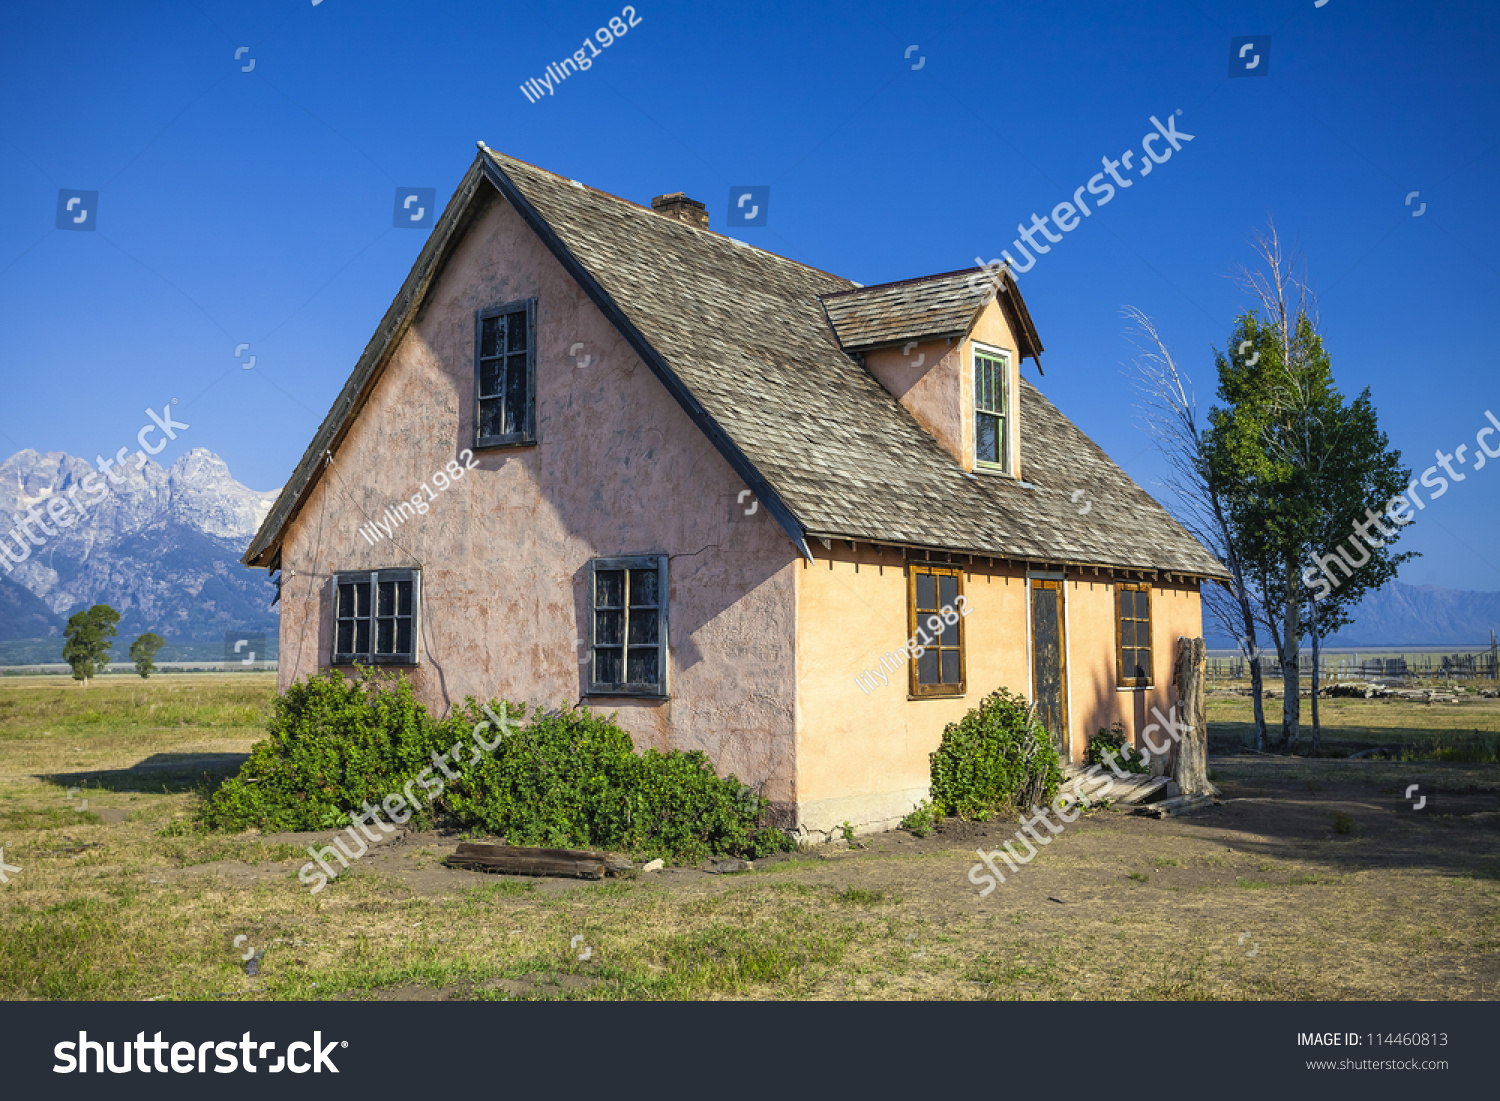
(915, 689)
(1006, 417)
(639, 690)
(373, 578)
(526, 436)
(1121, 680)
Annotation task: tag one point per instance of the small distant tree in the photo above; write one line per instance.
(87, 647)
(143, 652)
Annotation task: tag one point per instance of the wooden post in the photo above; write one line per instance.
(1494, 657)
(1190, 756)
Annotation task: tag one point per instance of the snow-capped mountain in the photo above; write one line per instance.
(160, 545)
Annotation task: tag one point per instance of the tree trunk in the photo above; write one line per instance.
(1190, 755)
(1291, 662)
(1257, 685)
(1317, 649)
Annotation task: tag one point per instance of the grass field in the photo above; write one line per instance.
(1319, 881)
(1424, 730)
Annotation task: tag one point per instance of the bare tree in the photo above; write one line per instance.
(1169, 411)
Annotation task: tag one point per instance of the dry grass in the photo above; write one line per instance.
(1251, 900)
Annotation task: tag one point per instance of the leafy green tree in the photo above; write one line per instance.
(1285, 470)
(1300, 468)
(143, 652)
(87, 647)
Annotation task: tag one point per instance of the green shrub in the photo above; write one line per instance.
(1126, 755)
(922, 820)
(997, 758)
(568, 779)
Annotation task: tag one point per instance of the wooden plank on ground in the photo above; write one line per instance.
(518, 860)
(1182, 804)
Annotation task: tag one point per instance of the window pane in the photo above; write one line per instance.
(642, 666)
(1142, 605)
(643, 589)
(609, 589)
(403, 598)
(1127, 635)
(1135, 664)
(346, 601)
(386, 603)
(607, 666)
(947, 591)
(927, 667)
(490, 423)
(491, 377)
(361, 637)
(609, 628)
(643, 627)
(345, 643)
(403, 636)
(491, 332)
(926, 592)
(515, 397)
(950, 666)
(989, 384)
(362, 600)
(385, 636)
(986, 438)
(515, 340)
(949, 637)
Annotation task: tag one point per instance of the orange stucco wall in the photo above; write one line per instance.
(619, 469)
(862, 755)
(928, 379)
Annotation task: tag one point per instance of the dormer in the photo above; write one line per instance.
(949, 348)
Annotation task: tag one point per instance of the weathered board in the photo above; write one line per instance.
(517, 860)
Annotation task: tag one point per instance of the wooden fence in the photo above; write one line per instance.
(1470, 666)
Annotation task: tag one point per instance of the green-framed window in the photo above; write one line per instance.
(992, 409)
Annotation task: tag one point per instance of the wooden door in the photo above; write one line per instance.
(1049, 673)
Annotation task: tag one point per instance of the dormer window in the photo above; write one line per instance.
(992, 405)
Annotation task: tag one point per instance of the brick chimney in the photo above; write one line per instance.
(679, 206)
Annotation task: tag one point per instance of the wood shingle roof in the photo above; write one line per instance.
(740, 338)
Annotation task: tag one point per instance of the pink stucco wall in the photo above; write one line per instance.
(618, 469)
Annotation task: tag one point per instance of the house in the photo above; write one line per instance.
(597, 453)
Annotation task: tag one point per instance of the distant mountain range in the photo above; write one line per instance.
(162, 548)
(1412, 615)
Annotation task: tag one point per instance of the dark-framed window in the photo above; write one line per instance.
(932, 593)
(505, 374)
(628, 632)
(376, 617)
(991, 409)
(1133, 614)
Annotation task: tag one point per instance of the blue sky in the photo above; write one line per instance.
(256, 207)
